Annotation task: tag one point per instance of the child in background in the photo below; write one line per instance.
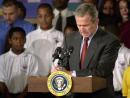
(45, 39)
(16, 65)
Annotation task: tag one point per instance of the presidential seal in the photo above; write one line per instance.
(59, 83)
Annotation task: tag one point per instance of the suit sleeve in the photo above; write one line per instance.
(103, 62)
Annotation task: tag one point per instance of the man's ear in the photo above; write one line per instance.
(97, 20)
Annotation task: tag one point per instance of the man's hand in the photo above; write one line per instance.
(58, 68)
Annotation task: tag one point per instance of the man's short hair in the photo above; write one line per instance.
(87, 8)
(8, 3)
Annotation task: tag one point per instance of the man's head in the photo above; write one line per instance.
(45, 16)
(60, 4)
(21, 10)
(86, 16)
(9, 11)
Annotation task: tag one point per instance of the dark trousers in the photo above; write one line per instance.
(98, 94)
(14, 95)
(31, 95)
(40, 95)
(118, 94)
(2, 95)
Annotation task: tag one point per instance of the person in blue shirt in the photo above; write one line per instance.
(10, 19)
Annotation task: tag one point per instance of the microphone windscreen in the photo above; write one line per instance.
(58, 50)
(71, 48)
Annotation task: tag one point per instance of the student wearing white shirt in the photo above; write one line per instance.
(122, 62)
(44, 40)
(16, 65)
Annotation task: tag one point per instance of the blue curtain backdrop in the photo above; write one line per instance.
(31, 6)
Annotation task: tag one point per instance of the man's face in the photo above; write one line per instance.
(17, 42)
(86, 26)
(10, 14)
(60, 4)
(44, 18)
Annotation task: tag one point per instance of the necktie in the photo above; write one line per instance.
(83, 52)
(59, 22)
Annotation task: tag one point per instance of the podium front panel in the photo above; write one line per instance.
(79, 84)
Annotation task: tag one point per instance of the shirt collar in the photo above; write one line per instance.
(63, 12)
(45, 31)
(13, 54)
(17, 21)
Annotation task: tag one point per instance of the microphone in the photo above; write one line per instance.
(69, 51)
(65, 54)
(61, 54)
(57, 53)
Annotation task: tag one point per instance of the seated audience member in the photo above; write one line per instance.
(126, 83)
(124, 24)
(44, 40)
(16, 65)
(62, 15)
(122, 62)
(107, 17)
(11, 19)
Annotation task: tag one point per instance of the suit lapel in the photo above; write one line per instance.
(91, 49)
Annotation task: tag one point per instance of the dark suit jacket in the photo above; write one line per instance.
(100, 59)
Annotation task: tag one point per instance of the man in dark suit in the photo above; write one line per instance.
(67, 16)
(101, 51)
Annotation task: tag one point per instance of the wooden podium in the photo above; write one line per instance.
(79, 84)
